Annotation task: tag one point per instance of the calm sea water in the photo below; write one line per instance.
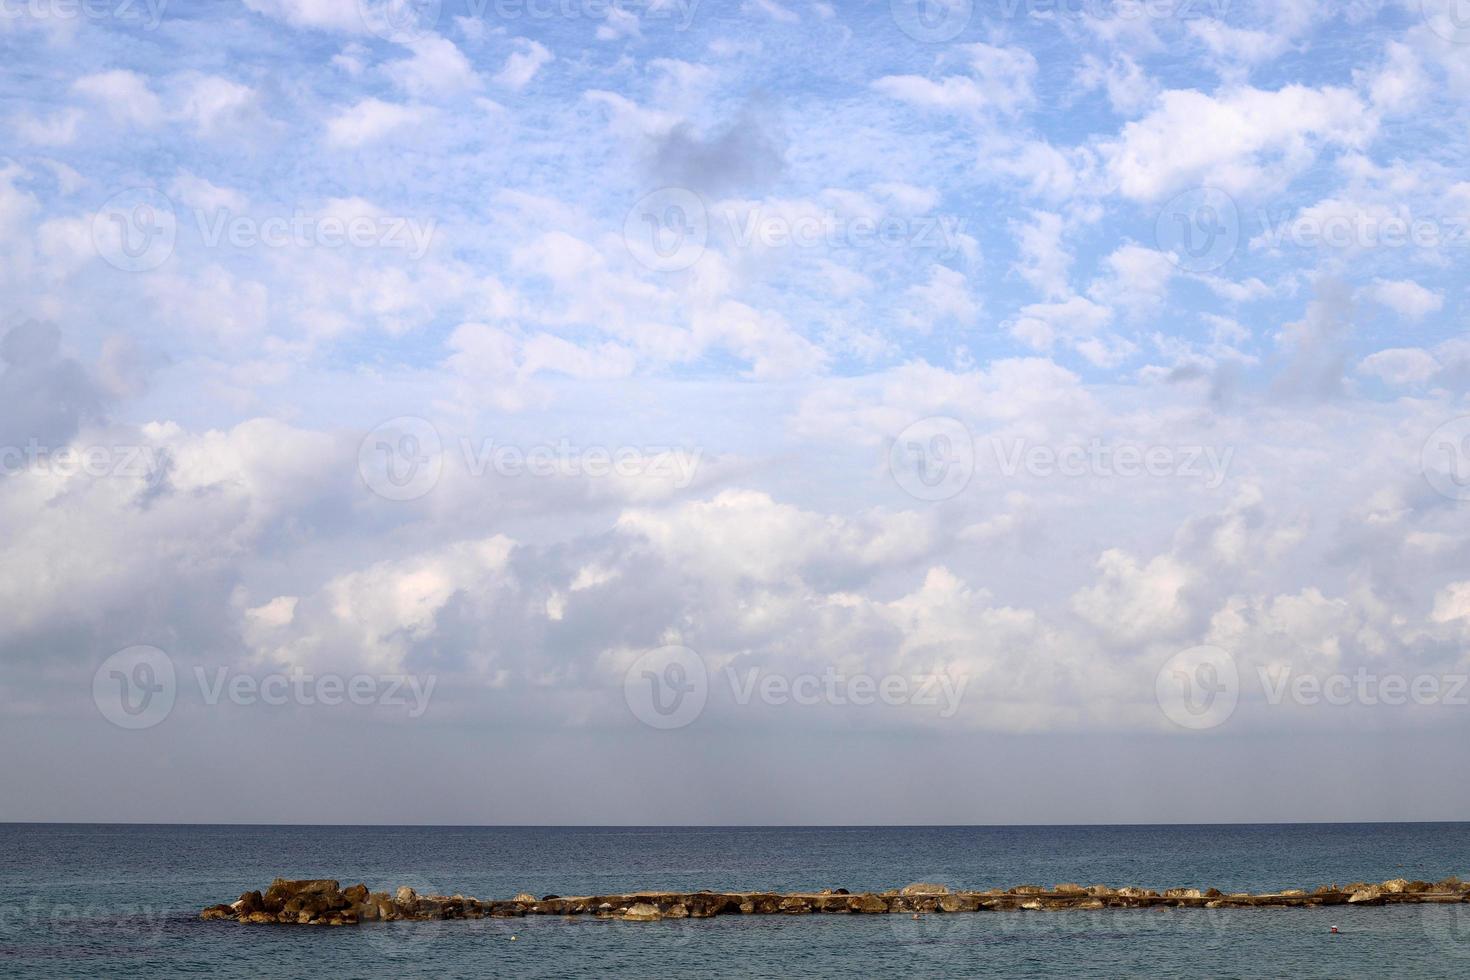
(124, 901)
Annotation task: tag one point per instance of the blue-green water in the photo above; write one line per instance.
(124, 901)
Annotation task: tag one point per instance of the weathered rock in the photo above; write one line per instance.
(923, 888)
(642, 912)
(324, 902)
(867, 903)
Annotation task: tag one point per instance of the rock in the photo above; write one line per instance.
(795, 905)
(677, 911)
(1101, 891)
(1093, 903)
(1366, 896)
(867, 903)
(524, 897)
(1184, 893)
(1033, 905)
(356, 895)
(405, 896)
(959, 903)
(923, 888)
(250, 902)
(1418, 887)
(258, 918)
(1027, 890)
(747, 907)
(1069, 889)
(217, 912)
(1395, 886)
(642, 912)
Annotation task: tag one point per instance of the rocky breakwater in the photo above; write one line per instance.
(325, 902)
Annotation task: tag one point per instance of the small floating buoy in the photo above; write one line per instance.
(513, 938)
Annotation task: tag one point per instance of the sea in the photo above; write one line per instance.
(79, 900)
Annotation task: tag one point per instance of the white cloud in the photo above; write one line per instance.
(371, 120)
(1405, 297)
(999, 79)
(523, 64)
(436, 69)
(125, 94)
(1246, 141)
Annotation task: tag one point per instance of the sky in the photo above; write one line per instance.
(696, 412)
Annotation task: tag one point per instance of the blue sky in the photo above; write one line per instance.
(869, 296)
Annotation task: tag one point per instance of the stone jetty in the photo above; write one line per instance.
(324, 902)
